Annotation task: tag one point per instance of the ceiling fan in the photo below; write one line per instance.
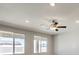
(55, 25)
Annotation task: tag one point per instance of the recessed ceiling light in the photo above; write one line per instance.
(77, 21)
(27, 21)
(52, 4)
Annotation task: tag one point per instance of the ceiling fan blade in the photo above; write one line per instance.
(61, 26)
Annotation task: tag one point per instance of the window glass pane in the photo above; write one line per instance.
(6, 43)
(43, 45)
(35, 46)
(19, 44)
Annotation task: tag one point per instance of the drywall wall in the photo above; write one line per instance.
(29, 39)
(67, 43)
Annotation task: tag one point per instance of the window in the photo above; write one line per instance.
(6, 42)
(40, 44)
(11, 43)
(19, 43)
(6, 45)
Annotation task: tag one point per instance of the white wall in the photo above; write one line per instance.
(29, 39)
(67, 43)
